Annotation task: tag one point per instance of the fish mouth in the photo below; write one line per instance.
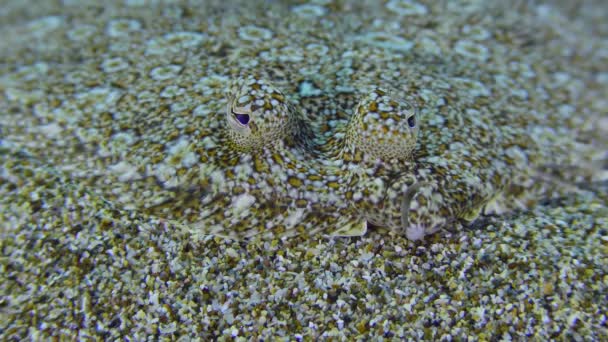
(406, 200)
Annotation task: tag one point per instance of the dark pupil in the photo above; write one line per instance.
(411, 121)
(243, 118)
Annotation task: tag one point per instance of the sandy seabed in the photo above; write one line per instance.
(79, 260)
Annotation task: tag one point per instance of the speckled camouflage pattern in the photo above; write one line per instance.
(323, 119)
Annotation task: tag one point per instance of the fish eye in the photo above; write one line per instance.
(411, 121)
(242, 118)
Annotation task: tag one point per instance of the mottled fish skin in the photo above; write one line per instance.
(159, 116)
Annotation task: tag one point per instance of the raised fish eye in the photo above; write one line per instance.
(242, 118)
(411, 121)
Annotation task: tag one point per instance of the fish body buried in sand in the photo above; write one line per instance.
(282, 175)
